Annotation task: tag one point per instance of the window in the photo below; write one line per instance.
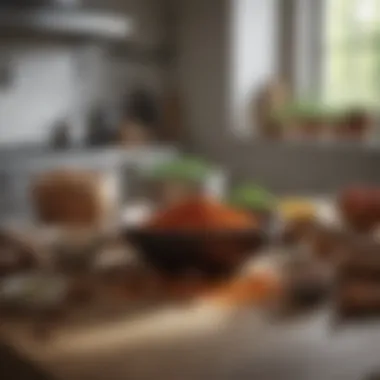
(351, 59)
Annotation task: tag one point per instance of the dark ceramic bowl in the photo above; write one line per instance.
(175, 253)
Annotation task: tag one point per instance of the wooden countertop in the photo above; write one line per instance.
(201, 342)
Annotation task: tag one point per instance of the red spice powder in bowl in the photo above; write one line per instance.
(202, 214)
(199, 233)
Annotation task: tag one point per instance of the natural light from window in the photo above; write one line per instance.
(351, 51)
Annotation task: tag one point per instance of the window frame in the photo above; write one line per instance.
(308, 38)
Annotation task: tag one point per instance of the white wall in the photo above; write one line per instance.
(227, 51)
(203, 71)
(35, 97)
(45, 86)
(254, 56)
(308, 37)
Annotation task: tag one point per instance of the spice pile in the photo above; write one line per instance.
(202, 214)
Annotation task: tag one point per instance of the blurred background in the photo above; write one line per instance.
(99, 78)
(161, 157)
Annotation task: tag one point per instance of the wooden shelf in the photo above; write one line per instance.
(72, 22)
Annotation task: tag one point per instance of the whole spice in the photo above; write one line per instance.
(358, 207)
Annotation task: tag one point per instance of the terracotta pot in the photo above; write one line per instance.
(310, 128)
(339, 131)
(351, 132)
(273, 130)
(355, 126)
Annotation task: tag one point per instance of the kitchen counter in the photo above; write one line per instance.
(197, 341)
(14, 366)
(205, 342)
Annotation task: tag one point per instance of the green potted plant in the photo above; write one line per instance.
(302, 119)
(178, 179)
(255, 199)
(308, 120)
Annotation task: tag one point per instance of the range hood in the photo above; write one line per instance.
(59, 21)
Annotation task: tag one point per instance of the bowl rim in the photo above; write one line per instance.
(196, 233)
